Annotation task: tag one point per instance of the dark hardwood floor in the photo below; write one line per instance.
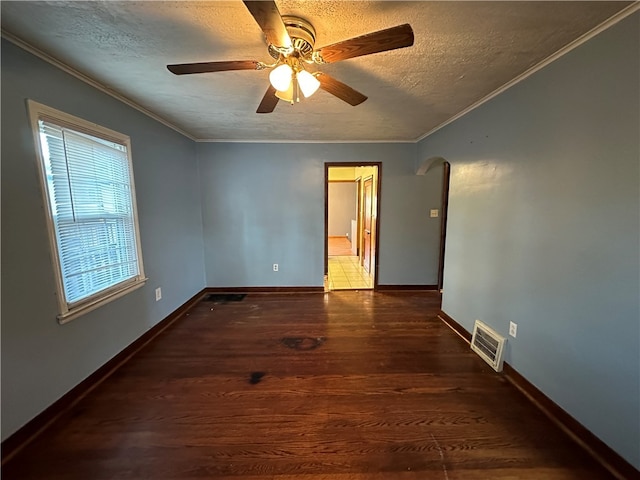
(350, 385)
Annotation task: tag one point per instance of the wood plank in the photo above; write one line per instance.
(339, 245)
(389, 392)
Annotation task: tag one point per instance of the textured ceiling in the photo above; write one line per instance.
(463, 51)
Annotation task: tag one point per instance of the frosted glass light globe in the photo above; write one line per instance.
(280, 77)
(308, 83)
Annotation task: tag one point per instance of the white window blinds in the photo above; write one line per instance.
(92, 208)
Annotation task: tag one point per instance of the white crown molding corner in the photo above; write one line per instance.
(621, 15)
(84, 78)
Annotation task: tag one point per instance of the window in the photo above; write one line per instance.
(87, 183)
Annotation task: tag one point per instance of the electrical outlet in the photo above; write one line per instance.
(158, 293)
(433, 213)
(275, 267)
(513, 329)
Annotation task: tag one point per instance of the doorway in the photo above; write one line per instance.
(352, 202)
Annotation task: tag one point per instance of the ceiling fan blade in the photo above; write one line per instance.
(206, 67)
(269, 101)
(341, 90)
(380, 41)
(266, 14)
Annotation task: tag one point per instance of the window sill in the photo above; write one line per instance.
(81, 310)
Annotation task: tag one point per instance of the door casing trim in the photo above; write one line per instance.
(377, 185)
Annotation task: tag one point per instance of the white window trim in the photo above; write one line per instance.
(38, 111)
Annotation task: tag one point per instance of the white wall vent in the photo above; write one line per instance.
(488, 344)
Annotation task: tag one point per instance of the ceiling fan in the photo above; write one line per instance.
(291, 42)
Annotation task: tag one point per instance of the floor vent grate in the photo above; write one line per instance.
(488, 344)
(225, 297)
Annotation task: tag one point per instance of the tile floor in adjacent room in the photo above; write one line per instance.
(345, 273)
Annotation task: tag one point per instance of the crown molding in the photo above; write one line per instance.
(622, 14)
(90, 81)
(214, 140)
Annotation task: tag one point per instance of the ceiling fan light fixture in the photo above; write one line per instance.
(308, 83)
(291, 42)
(287, 95)
(280, 77)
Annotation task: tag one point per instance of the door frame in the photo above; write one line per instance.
(375, 249)
(358, 220)
(446, 178)
(364, 181)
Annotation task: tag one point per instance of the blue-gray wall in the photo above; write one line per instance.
(264, 204)
(42, 360)
(544, 229)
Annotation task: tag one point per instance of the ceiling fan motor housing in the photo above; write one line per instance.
(303, 37)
